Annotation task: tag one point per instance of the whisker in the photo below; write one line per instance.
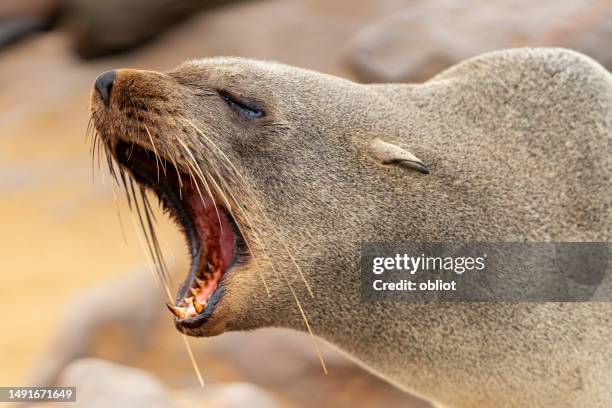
(260, 208)
(197, 186)
(88, 129)
(150, 263)
(153, 235)
(123, 180)
(248, 221)
(125, 186)
(202, 178)
(154, 150)
(99, 165)
(160, 140)
(94, 145)
(115, 203)
(312, 337)
(142, 225)
(191, 357)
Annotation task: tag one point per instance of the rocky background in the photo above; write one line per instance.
(79, 305)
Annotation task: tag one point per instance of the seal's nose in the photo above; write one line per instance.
(104, 85)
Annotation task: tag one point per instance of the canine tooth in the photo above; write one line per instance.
(198, 307)
(193, 291)
(201, 283)
(175, 310)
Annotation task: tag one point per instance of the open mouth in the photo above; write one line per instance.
(214, 240)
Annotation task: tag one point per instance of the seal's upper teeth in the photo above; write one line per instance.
(193, 291)
(201, 283)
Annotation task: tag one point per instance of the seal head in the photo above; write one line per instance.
(239, 151)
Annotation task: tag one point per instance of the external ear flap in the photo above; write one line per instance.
(387, 153)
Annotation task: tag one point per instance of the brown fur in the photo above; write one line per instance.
(518, 144)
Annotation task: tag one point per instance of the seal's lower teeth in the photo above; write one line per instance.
(189, 307)
(198, 307)
(177, 311)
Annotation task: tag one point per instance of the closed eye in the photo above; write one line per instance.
(247, 108)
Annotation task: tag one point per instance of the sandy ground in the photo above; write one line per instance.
(60, 233)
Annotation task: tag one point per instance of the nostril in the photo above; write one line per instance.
(104, 85)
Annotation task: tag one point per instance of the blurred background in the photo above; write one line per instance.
(79, 305)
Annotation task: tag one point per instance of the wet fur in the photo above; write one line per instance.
(519, 148)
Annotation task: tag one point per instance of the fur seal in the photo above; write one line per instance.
(277, 174)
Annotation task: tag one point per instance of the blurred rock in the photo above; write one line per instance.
(413, 45)
(97, 313)
(101, 384)
(19, 19)
(227, 395)
(101, 27)
(589, 31)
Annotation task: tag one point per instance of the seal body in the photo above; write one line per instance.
(518, 146)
